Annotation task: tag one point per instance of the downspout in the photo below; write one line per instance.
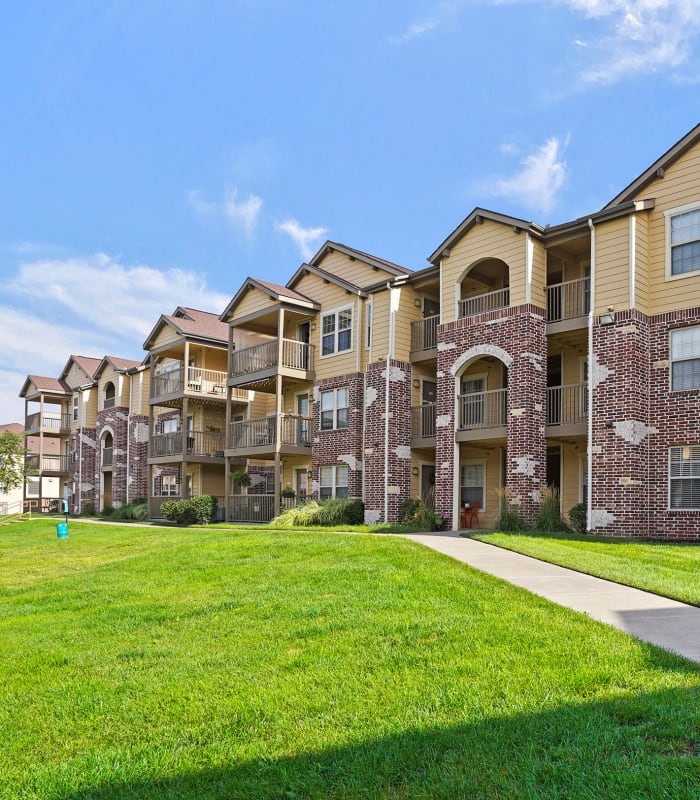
(387, 387)
(589, 446)
(128, 437)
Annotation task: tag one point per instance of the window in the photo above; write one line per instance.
(75, 407)
(269, 483)
(368, 324)
(168, 425)
(336, 331)
(334, 482)
(684, 477)
(334, 409)
(685, 359)
(472, 484)
(168, 486)
(109, 395)
(683, 241)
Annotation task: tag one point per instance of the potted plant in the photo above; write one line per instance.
(240, 477)
(287, 491)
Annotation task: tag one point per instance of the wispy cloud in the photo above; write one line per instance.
(415, 30)
(538, 181)
(304, 238)
(639, 36)
(242, 214)
(92, 306)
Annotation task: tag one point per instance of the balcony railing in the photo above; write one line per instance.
(481, 303)
(195, 443)
(251, 508)
(209, 382)
(107, 456)
(50, 421)
(423, 421)
(262, 432)
(48, 463)
(108, 402)
(567, 404)
(424, 334)
(568, 300)
(260, 357)
(483, 409)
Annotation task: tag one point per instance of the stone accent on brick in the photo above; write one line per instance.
(387, 488)
(82, 457)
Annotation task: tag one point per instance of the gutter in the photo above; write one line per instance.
(589, 445)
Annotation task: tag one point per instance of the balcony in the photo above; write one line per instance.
(200, 383)
(50, 422)
(481, 303)
(568, 304)
(258, 436)
(482, 414)
(423, 425)
(268, 359)
(197, 444)
(48, 465)
(424, 338)
(567, 409)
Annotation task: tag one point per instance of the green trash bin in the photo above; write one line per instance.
(62, 530)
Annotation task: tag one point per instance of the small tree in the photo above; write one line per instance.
(13, 467)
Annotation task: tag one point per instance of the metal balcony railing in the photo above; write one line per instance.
(568, 300)
(424, 334)
(567, 404)
(423, 421)
(48, 463)
(262, 432)
(50, 421)
(481, 303)
(483, 409)
(251, 508)
(259, 357)
(194, 443)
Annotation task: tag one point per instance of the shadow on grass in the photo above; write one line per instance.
(638, 746)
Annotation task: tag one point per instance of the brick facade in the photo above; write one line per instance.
(82, 465)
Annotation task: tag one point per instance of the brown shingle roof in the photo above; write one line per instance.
(13, 427)
(45, 384)
(283, 291)
(87, 364)
(198, 323)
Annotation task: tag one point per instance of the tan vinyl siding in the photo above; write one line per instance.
(167, 335)
(612, 265)
(571, 368)
(486, 240)
(407, 313)
(253, 301)
(641, 283)
(539, 274)
(380, 327)
(356, 272)
(89, 398)
(262, 405)
(572, 461)
(679, 186)
(488, 514)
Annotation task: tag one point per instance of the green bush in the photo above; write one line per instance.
(578, 518)
(180, 511)
(138, 510)
(334, 511)
(88, 510)
(548, 517)
(204, 508)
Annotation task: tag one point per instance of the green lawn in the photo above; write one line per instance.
(180, 663)
(669, 569)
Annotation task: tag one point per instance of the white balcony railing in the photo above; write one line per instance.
(481, 303)
(483, 409)
(568, 300)
(268, 355)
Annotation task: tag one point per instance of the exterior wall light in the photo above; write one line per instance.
(414, 472)
(607, 319)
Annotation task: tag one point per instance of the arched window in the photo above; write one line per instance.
(109, 395)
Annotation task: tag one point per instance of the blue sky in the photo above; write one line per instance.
(156, 153)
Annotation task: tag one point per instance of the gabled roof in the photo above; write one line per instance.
(191, 322)
(277, 293)
(87, 364)
(351, 252)
(118, 364)
(42, 383)
(657, 169)
(13, 427)
(477, 216)
(329, 277)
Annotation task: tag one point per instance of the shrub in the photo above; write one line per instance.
(203, 508)
(509, 518)
(334, 511)
(578, 518)
(88, 510)
(180, 511)
(138, 509)
(421, 516)
(548, 517)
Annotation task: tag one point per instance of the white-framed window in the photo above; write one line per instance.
(168, 486)
(368, 324)
(684, 477)
(472, 483)
(336, 331)
(76, 405)
(685, 359)
(682, 241)
(334, 408)
(334, 481)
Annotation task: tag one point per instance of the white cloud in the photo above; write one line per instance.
(304, 238)
(415, 30)
(88, 306)
(537, 182)
(638, 36)
(242, 214)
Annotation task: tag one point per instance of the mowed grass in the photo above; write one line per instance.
(669, 569)
(150, 663)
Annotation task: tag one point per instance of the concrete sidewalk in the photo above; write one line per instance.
(667, 623)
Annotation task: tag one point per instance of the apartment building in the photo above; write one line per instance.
(87, 434)
(523, 356)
